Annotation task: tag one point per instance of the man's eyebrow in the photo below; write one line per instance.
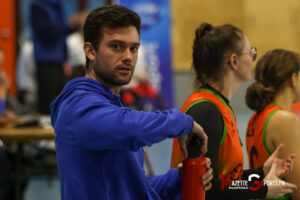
(137, 44)
(122, 42)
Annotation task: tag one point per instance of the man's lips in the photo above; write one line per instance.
(125, 69)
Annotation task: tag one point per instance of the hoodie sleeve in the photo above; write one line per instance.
(168, 186)
(102, 126)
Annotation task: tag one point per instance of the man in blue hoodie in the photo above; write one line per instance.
(99, 141)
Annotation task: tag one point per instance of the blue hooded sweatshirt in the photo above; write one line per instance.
(99, 145)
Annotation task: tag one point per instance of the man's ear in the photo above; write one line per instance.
(233, 60)
(89, 51)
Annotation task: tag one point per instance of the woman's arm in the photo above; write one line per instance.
(284, 127)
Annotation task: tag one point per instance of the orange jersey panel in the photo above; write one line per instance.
(257, 148)
(230, 155)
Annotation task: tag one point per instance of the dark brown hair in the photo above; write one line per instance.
(111, 16)
(272, 71)
(212, 44)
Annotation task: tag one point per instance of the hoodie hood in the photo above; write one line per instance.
(81, 83)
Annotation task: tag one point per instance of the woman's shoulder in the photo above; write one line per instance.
(283, 127)
(283, 121)
(282, 116)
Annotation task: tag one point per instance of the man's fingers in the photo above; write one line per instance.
(208, 180)
(208, 162)
(180, 168)
(184, 149)
(207, 173)
(182, 145)
(198, 130)
(179, 165)
(204, 139)
(204, 142)
(207, 187)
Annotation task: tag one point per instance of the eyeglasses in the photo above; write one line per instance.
(252, 53)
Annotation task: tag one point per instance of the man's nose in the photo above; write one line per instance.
(127, 55)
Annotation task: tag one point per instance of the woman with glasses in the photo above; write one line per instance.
(276, 87)
(222, 61)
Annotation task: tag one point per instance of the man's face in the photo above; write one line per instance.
(115, 60)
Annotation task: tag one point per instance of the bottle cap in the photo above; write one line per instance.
(194, 147)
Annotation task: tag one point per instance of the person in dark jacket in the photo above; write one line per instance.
(99, 141)
(50, 30)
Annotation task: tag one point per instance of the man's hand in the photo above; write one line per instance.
(197, 130)
(206, 178)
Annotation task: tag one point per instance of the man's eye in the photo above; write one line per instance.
(134, 49)
(115, 46)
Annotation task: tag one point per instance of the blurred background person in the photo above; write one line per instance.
(27, 78)
(139, 94)
(50, 52)
(75, 54)
(275, 89)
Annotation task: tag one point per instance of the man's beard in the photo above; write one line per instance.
(111, 78)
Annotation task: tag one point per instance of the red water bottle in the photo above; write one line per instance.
(193, 168)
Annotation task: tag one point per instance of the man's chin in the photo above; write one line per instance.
(124, 83)
(121, 82)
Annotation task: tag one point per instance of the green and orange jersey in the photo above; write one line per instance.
(257, 148)
(230, 154)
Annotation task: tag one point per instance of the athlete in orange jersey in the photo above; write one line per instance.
(257, 149)
(222, 60)
(276, 87)
(230, 142)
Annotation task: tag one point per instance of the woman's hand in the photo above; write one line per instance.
(284, 166)
(277, 187)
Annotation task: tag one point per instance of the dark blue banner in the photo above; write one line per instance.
(155, 39)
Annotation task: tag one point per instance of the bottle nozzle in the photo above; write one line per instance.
(194, 147)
